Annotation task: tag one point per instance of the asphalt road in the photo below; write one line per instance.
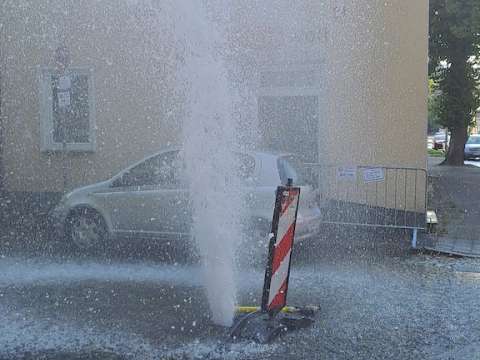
(378, 302)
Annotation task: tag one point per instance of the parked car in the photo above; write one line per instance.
(439, 142)
(150, 199)
(430, 142)
(472, 147)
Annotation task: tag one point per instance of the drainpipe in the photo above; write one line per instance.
(2, 170)
(62, 62)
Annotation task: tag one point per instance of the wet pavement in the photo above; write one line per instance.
(377, 302)
(454, 195)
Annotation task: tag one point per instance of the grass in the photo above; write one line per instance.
(436, 153)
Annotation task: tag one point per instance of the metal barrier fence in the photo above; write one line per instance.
(373, 196)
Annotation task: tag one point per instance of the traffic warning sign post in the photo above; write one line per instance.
(273, 317)
(277, 273)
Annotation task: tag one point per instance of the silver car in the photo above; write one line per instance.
(150, 199)
(472, 147)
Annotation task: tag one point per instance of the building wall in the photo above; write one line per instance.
(377, 107)
(367, 59)
(133, 87)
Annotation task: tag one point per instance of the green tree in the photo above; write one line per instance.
(433, 106)
(454, 53)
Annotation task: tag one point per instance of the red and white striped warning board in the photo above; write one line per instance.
(280, 249)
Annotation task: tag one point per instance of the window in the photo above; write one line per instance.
(67, 110)
(165, 170)
(291, 167)
(474, 140)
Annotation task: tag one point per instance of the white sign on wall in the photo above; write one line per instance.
(63, 99)
(347, 173)
(374, 174)
(64, 83)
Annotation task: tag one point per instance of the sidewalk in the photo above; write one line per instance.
(454, 194)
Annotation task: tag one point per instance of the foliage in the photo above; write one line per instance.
(436, 153)
(433, 106)
(454, 65)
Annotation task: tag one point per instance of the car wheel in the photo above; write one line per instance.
(86, 230)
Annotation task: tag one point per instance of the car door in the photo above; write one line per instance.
(125, 199)
(150, 199)
(170, 201)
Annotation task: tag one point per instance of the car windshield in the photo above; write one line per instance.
(145, 153)
(474, 140)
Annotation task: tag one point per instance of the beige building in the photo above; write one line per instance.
(122, 79)
(340, 82)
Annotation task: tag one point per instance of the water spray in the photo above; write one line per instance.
(210, 137)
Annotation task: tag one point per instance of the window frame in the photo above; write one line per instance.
(46, 112)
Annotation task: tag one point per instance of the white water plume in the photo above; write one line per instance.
(210, 136)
